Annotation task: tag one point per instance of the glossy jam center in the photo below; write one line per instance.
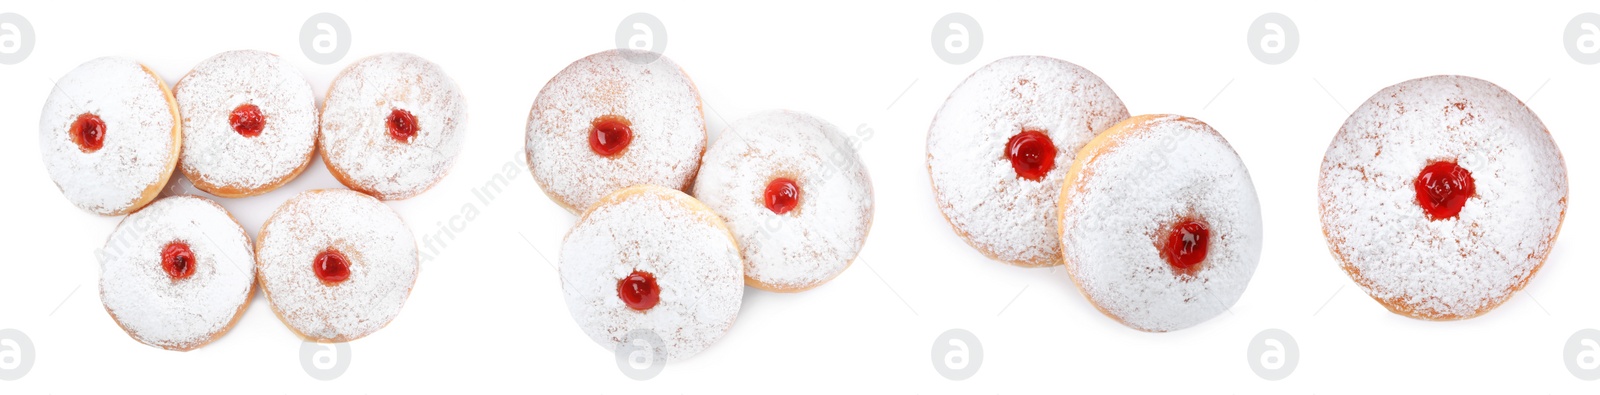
(402, 125)
(89, 132)
(1186, 244)
(177, 260)
(782, 195)
(1442, 188)
(247, 120)
(639, 291)
(609, 135)
(1032, 154)
(331, 266)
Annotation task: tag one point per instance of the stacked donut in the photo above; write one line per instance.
(1035, 162)
(336, 265)
(781, 201)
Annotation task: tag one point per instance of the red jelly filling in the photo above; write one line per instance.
(402, 125)
(639, 290)
(177, 260)
(609, 135)
(89, 132)
(331, 266)
(1442, 188)
(1186, 244)
(1032, 154)
(247, 120)
(782, 195)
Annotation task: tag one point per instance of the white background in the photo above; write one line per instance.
(488, 314)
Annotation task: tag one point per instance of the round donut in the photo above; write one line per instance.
(110, 135)
(250, 123)
(177, 274)
(1159, 223)
(606, 123)
(791, 188)
(996, 147)
(336, 265)
(1441, 196)
(392, 125)
(649, 258)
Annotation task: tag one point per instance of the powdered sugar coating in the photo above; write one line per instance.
(1007, 217)
(1452, 268)
(1125, 194)
(664, 232)
(141, 136)
(355, 140)
(818, 239)
(657, 98)
(380, 249)
(216, 157)
(177, 314)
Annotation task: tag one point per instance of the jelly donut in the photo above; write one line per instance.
(177, 274)
(606, 123)
(1160, 227)
(1441, 196)
(995, 146)
(653, 259)
(249, 121)
(336, 264)
(110, 135)
(791, 188)
(392, 125)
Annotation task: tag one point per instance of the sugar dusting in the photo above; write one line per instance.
(669, 128)
(1130, 192)
(819, 238)
(381, 252)
(1000, 214)
(355, 136)
(670, 235)
(187, 313)
(214, 152)
(1453, 268)
(138, 148)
